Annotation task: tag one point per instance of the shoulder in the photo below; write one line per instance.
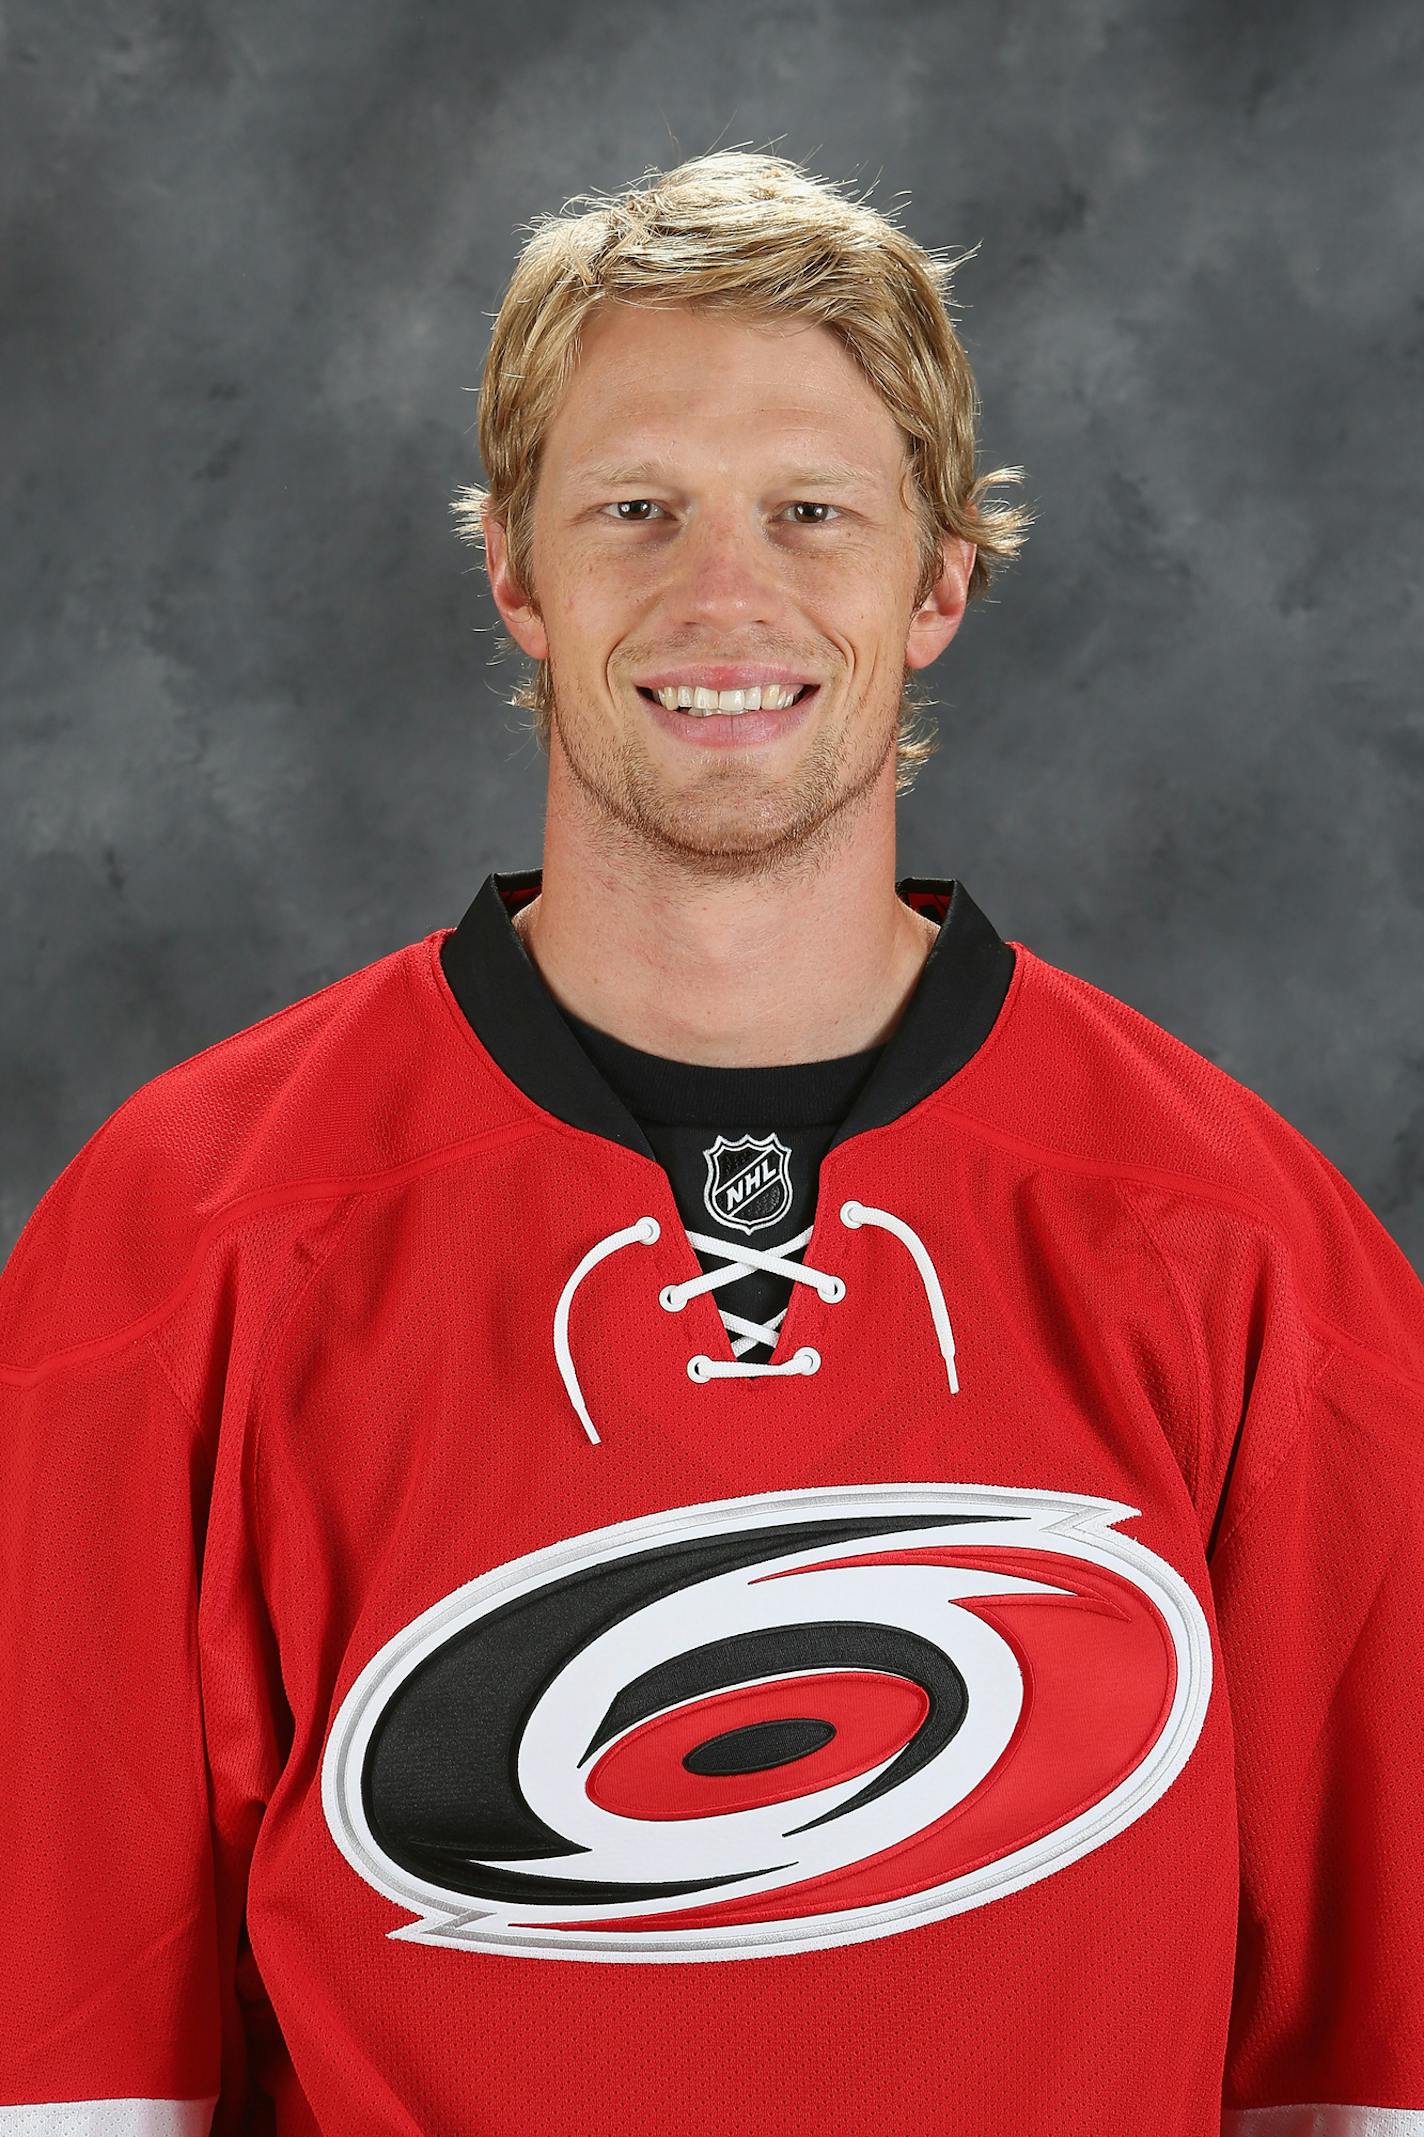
(1073, 1077)
(267, 1129)
(1091, 1077)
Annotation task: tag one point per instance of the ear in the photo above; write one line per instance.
(517, 610)
(939, 616)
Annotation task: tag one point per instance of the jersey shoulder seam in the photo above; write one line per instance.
(1186, 1322)
(273, 1340)
(254, 1203)
(1226, 1199)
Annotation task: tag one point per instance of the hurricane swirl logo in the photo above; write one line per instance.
(765, 1725)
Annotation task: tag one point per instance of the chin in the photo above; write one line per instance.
(778, 828)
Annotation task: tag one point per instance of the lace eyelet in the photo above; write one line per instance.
(852, 1214)
(808, 1359)
(670, 1299)
(834, 1291)
(695, 1365)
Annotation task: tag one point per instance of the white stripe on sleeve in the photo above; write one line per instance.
(1317, 2120)
(109, 2118)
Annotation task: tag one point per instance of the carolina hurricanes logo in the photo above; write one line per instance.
(768, 1725)
(748, 1181)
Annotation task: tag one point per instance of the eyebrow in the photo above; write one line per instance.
(837, 474)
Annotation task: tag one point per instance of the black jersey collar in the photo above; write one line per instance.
(516, 1019)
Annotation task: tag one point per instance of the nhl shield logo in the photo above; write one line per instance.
(748, 1181)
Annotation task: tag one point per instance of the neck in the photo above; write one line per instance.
(813, 960)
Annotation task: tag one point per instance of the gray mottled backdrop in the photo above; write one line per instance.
(254, 732)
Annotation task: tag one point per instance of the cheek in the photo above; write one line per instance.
(861, 597)
(594, 593)
(570, 603)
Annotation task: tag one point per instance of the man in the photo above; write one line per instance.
(716, 1499)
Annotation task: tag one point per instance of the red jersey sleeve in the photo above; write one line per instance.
(129, 1824)
(1317, 1570)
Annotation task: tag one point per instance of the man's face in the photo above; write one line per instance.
(715, 494)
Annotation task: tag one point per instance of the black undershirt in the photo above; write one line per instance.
(760, 1196)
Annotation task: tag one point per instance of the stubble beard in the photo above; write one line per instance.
(730, 822)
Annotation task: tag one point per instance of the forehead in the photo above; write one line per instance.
(657, 383)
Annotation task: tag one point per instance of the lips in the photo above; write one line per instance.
(724, 731)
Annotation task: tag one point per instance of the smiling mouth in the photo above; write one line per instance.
(712, 712)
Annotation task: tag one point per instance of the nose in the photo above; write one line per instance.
(724, 572)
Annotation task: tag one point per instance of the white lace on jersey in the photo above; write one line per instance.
(744, 1333)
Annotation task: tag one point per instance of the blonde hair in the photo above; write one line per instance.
(750, 234)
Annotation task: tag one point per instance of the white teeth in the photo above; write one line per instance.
(689, 697)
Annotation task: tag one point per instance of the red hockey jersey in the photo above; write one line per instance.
(449, 1688)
